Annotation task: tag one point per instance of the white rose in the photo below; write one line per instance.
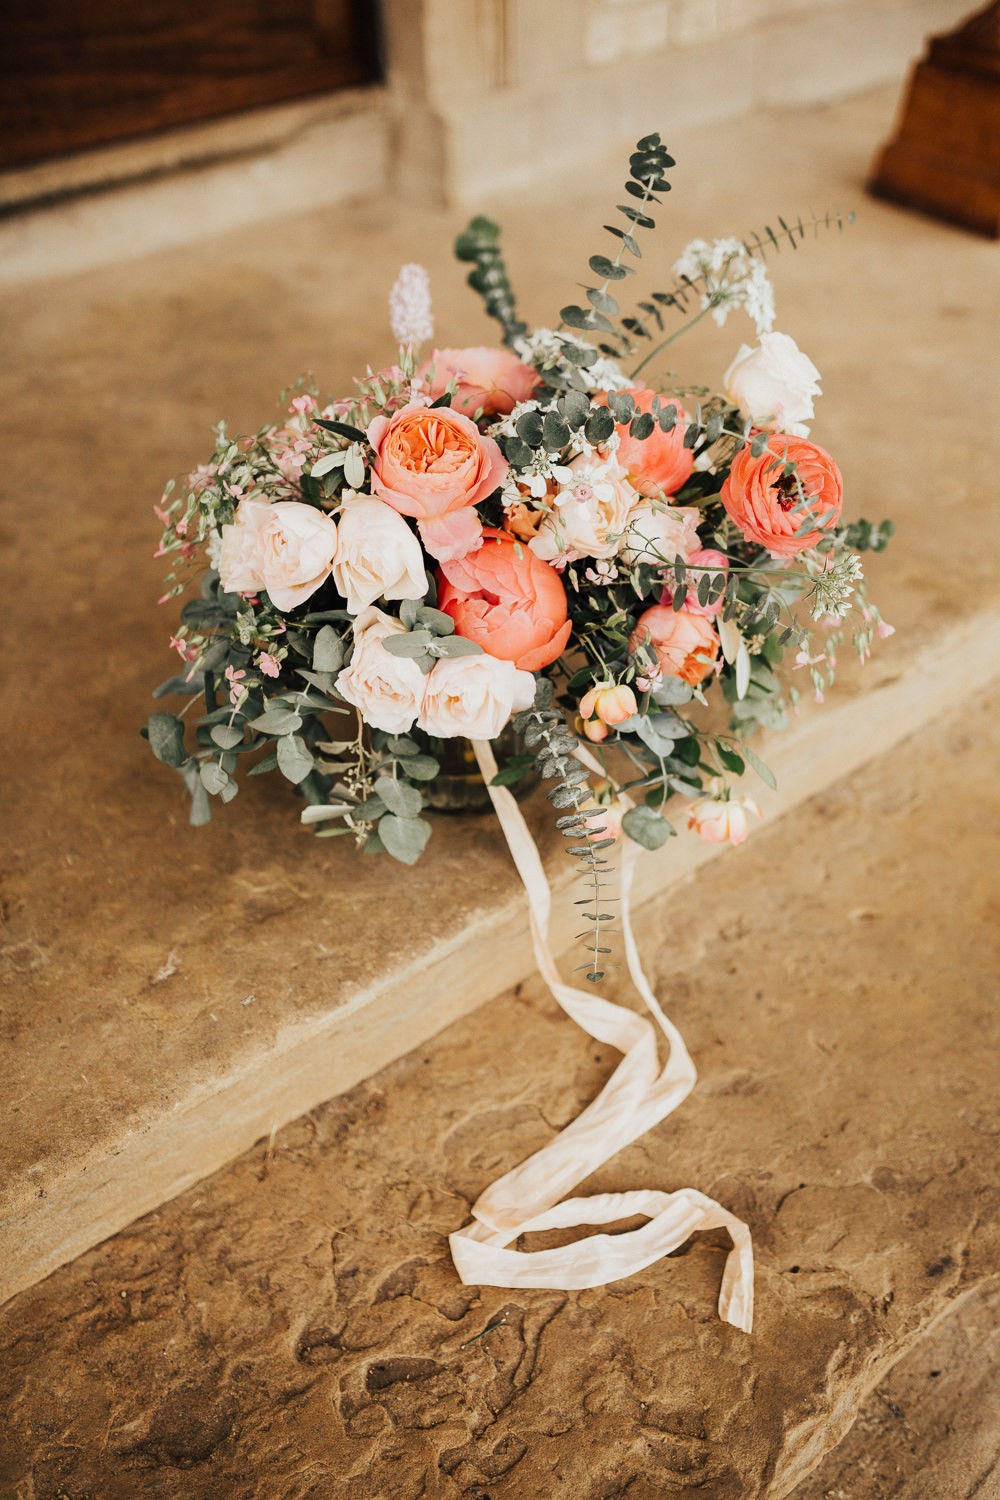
(774, 384)
(296, 550)
(239, 550)
(473, 696)
(658, 535)
(386, 690)
(592, 507)
(378, 556)
(287, 549)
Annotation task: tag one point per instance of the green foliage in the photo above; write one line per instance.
(480, 244)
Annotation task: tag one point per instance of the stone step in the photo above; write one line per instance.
(176, 994)
(293, 1327)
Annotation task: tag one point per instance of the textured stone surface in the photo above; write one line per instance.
(131, 942)
(932, 1427)
(292, 1327)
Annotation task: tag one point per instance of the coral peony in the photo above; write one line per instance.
(507, 601)
(489, 380)
(659, 464)
(784, 513)
(685, 645)
(435, 465)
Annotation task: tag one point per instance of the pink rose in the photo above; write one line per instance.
(506, 600)
(685, 645)
(435, 465)
(491, 380)
(784, 513)
(659, 464)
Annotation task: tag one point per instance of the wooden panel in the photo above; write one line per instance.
(79, 73)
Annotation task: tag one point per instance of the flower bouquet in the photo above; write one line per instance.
(539, 536)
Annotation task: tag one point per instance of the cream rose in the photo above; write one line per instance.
(659, 535)
(386, 690)
(473, 696)
(378, 556)
(774, 384)
(590, 512)
(287, 548)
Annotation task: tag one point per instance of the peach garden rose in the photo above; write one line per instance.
(492, 381)
(685, 644)
(435, 465)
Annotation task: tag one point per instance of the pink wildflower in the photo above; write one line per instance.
(269, 664)
(235, 676)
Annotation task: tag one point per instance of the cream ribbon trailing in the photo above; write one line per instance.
(636, 1097)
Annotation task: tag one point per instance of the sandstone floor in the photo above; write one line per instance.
(293, 1328)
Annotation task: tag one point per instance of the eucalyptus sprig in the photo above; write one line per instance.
(480, 244)
(545, 732)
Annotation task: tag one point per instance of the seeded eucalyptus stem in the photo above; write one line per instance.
(544, 730)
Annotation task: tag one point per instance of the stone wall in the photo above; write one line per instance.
(478, 85)
(481, 97)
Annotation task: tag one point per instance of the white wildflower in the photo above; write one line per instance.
(731, 278)
(834, 585)
(410, 306)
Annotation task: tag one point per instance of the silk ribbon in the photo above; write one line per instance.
(637, 1096)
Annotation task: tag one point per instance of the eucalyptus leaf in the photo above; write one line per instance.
(645, 826)
(294, 758)
(166, 739)
(226, 736)
(213, 777)
(763, 771)
(328, 650)
(420, 767)
(404, 838)
(403, 800)
(411, 643)
(277, 721)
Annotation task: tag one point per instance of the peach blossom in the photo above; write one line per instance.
(721, 820)
(507, 601)
(491, 380)
(659, 464)
(433, 464)
(765, 504)
(611, 703)
(685, 645)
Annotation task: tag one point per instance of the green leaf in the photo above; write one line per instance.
(555, 432)
(529, 427)
(328, 651)
(342, 429)
(226, 735)
(646, 827)
(411, 643)
(277, 721)
(403, 800)
(435, 620)
(602, 266)
(166, 739)
(455, 645)
(267, 763)
(294, 758)
(401, 744)
(731, 760)
(213, 777)
(600, 425)
(404, 838)
(764, 772)
(420, 767)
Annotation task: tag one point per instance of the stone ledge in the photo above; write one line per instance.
(202, 1124)
(293, 1326)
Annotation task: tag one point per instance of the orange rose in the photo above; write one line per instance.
(784, 513)
(491, 380)
(435, 465)
(685, 644)
(514, 606)
(660, 463)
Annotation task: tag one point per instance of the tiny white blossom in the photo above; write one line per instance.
(732, 278)
(410, 306)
